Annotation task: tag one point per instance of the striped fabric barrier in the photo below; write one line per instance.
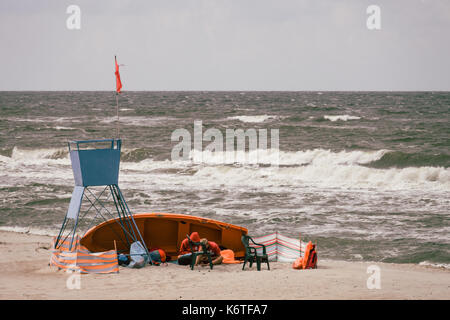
(280, 248)
(80, 259)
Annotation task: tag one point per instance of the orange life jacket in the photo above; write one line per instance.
(228, 256)
(309, 260)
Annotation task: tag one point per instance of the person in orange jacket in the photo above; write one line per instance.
(215, 253)
(185, 253)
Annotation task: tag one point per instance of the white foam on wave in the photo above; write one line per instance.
(46, 119)
(63, 128)
(38, 165)
(328, 176)
(151, 165)
(263, 156)
(274, 157)
(344, 117)
(252, 119)
(5, 159)
(435, 265)
(138, 121)
(39, 156)
(30, 230)
(320, 167)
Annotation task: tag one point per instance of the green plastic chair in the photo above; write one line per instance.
(252, 255)
(195, 254)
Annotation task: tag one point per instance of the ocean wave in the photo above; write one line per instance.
(138, 121)
(45, 119)
(149, 165)
(435, 265)
(354, 169)
(328, 176)
(30, 230)
(399, 159)
(38, 156)
(286, 158)
(135, 155)
(253, 119)
(378, 159)
(344, 117)
(263, 156)
(60, 156)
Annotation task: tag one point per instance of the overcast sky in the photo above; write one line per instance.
(226, 45)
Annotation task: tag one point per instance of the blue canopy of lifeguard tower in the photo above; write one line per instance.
(95, 167)
(92, 167)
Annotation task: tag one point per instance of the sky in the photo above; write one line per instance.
(299, 45)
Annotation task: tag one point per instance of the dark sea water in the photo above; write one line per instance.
(367, 175)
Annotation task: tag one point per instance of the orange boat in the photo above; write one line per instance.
(165, 231)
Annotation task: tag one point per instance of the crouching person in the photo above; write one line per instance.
(185, 254)
(214, 249)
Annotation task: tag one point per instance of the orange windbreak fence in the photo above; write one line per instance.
(80, 259)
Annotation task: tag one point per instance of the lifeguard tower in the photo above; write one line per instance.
(95, 163)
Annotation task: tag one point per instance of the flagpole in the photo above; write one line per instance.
(118, 87)
(117, 108)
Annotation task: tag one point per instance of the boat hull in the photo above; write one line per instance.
(165, 231)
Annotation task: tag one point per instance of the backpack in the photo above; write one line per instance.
(185, 259)
(157, 257)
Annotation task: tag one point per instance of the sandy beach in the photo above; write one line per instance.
(25, 274)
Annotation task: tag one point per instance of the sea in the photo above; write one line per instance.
(365, 175)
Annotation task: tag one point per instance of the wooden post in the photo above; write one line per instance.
(117, 254)
(316, 252)
(300, 247)
(276, 245)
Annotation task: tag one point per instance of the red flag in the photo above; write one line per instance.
(118, 82)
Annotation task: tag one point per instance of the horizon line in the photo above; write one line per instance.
(234, 90)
